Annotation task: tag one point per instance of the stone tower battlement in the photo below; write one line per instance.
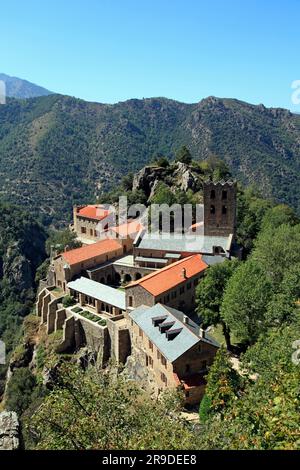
(219, 208)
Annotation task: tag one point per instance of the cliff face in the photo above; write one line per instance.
(22, 249)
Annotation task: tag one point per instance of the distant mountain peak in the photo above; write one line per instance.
(18, 88)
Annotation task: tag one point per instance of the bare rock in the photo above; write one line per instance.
(17, 268)
(146, 178)
(9, 430)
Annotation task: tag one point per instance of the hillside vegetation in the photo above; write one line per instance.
(56, 150)
(22, 250)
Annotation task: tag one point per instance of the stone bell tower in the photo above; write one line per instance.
(219, 208)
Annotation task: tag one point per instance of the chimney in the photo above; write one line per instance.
(183, 273)
(186, 320)
(67, 248)
(201, 333)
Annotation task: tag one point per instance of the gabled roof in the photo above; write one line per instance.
(192, 243)
(172, 275)
(99, 291)
(79, 255)
(173, 348)
(95, 211)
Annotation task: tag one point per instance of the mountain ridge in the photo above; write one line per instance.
(22, 89)
(57, 150)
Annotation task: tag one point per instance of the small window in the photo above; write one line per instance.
(224, 210)
(181, 290)
(189, 285)
(130, 301)
(150, 345)
(203, 365)
(140, 333)
(200, 348)
(163, 360)
(163, 378)
(83, 230)
(213, 194)
(91, 232)
(224, 195)
(212, 209)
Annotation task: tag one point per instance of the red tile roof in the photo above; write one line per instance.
(78, 255)
(96, 212)
(170, 276)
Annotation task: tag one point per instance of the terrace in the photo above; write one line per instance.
(88, 313)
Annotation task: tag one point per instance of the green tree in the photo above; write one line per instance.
(251, 211)
(19, 390)
(62, 239)
(68, 300)
(209, 295)
(127, 181)
(161, 160)
(205, 409)
(183, 155)
(279, 215)
(290, 285)
(277, 249)
(223, 383)
(90, 410)
(245, 301)
(163, 195)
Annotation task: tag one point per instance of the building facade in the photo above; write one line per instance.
(173, 285)
(173, 350)
(219, 208)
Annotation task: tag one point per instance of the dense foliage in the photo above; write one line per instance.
(260, 305)
(56, 151)
(92, 410)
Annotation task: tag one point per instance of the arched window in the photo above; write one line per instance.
(224, 210)
(212, 209)
(224, 195)
(212, 194)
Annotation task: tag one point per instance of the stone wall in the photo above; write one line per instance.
(219, 209)
(119, 339)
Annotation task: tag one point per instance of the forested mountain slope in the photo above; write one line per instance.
(57, 150)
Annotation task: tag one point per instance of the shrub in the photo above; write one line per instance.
(19, 390)
(77, 309)
(204, 409)
(68, 300)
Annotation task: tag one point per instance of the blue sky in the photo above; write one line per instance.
(113, 50)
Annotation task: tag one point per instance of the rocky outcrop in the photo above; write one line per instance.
(135, 369)
(17, 269)
(9, 431)
(177, 176)
(146, 178)
(185, 177)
